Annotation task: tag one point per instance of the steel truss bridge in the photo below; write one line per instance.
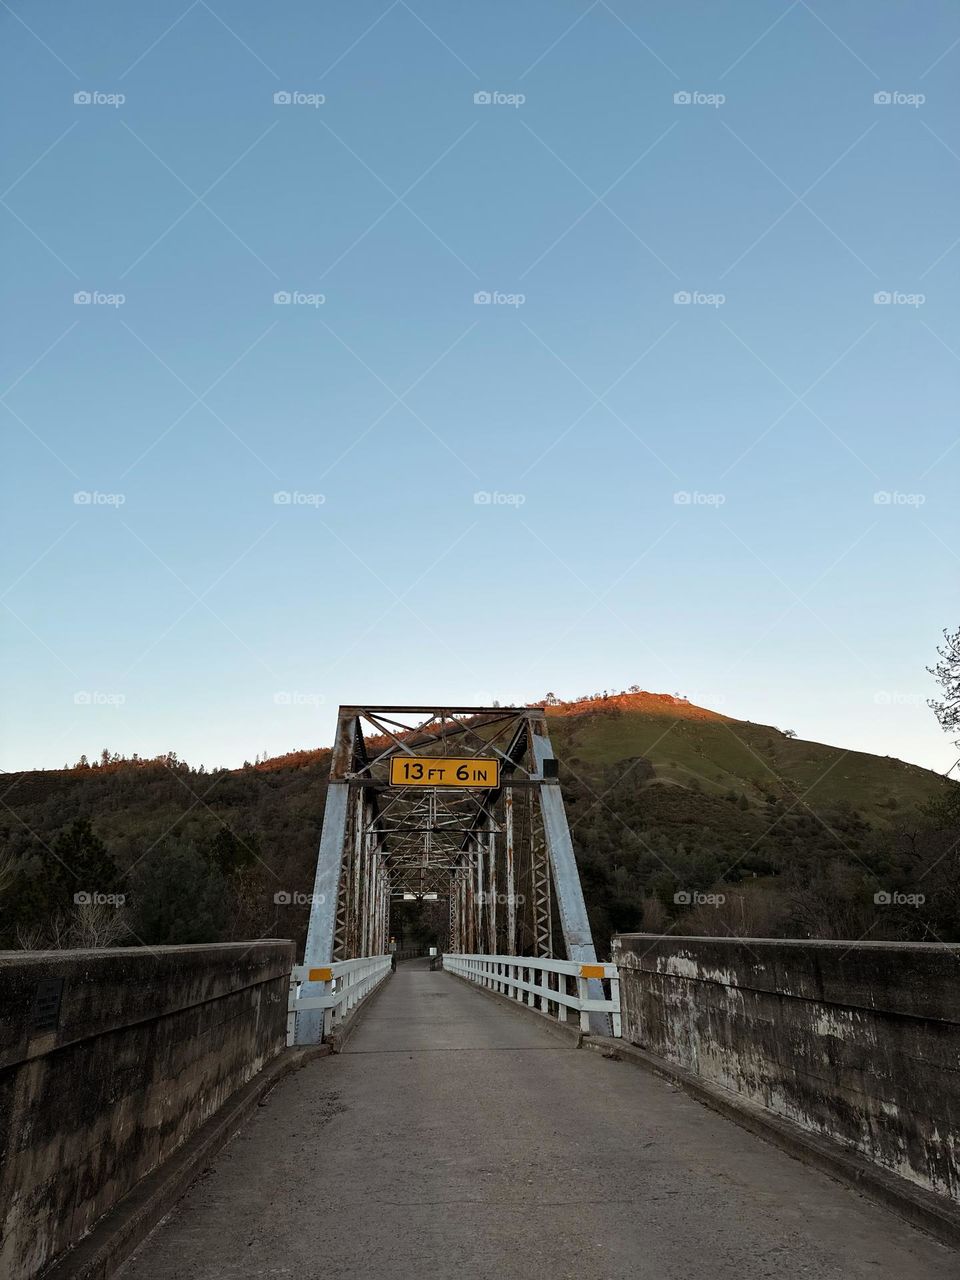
(496, 856)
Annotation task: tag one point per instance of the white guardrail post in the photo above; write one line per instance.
(335, 988)
(543, 983)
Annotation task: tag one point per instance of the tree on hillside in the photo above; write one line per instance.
(232, 853)
(51, 899)
(8, 871)
(947, 673)
(178, 897)
(80, 862)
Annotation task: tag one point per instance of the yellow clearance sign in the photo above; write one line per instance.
(443, 771)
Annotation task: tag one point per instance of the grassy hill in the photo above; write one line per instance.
(692, 747)
(664, 799)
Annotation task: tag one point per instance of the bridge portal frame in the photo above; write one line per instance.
(358, 870)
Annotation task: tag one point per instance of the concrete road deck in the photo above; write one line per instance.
(456, 1137)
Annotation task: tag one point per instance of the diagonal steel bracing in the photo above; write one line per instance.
(500, 856)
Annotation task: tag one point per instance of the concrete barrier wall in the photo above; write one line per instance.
(109, 1061)
(859, 1042)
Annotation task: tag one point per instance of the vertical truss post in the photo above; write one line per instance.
(542, 904)
(354, 940)
(492, 893)
(383, 916)
(480, 892)
(379, 945)
(373, 945)
(374, 911)
(453, 914)
(464, 917)
(346, 896)
(511, 888)
(385, 930)
(368, 919)
(371, 893)
(382, 923)
(342, 922)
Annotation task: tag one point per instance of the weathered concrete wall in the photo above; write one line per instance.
(859, 1042)
(147, 1044)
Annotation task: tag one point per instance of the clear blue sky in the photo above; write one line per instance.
(203, 616)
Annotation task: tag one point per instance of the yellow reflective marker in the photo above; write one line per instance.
(443, 771)
(320, 975)
(591, 971)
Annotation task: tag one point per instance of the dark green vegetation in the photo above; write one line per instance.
(199, 857)
(672, 808)
(670, 813)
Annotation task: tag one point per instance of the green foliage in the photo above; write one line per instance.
(947, 672)
(231, 853)
(79, 862)
(798, 836)
(179, 897)
(45, 883)
(783, 867)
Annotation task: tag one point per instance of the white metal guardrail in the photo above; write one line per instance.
(336, 988)
(553, 986)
